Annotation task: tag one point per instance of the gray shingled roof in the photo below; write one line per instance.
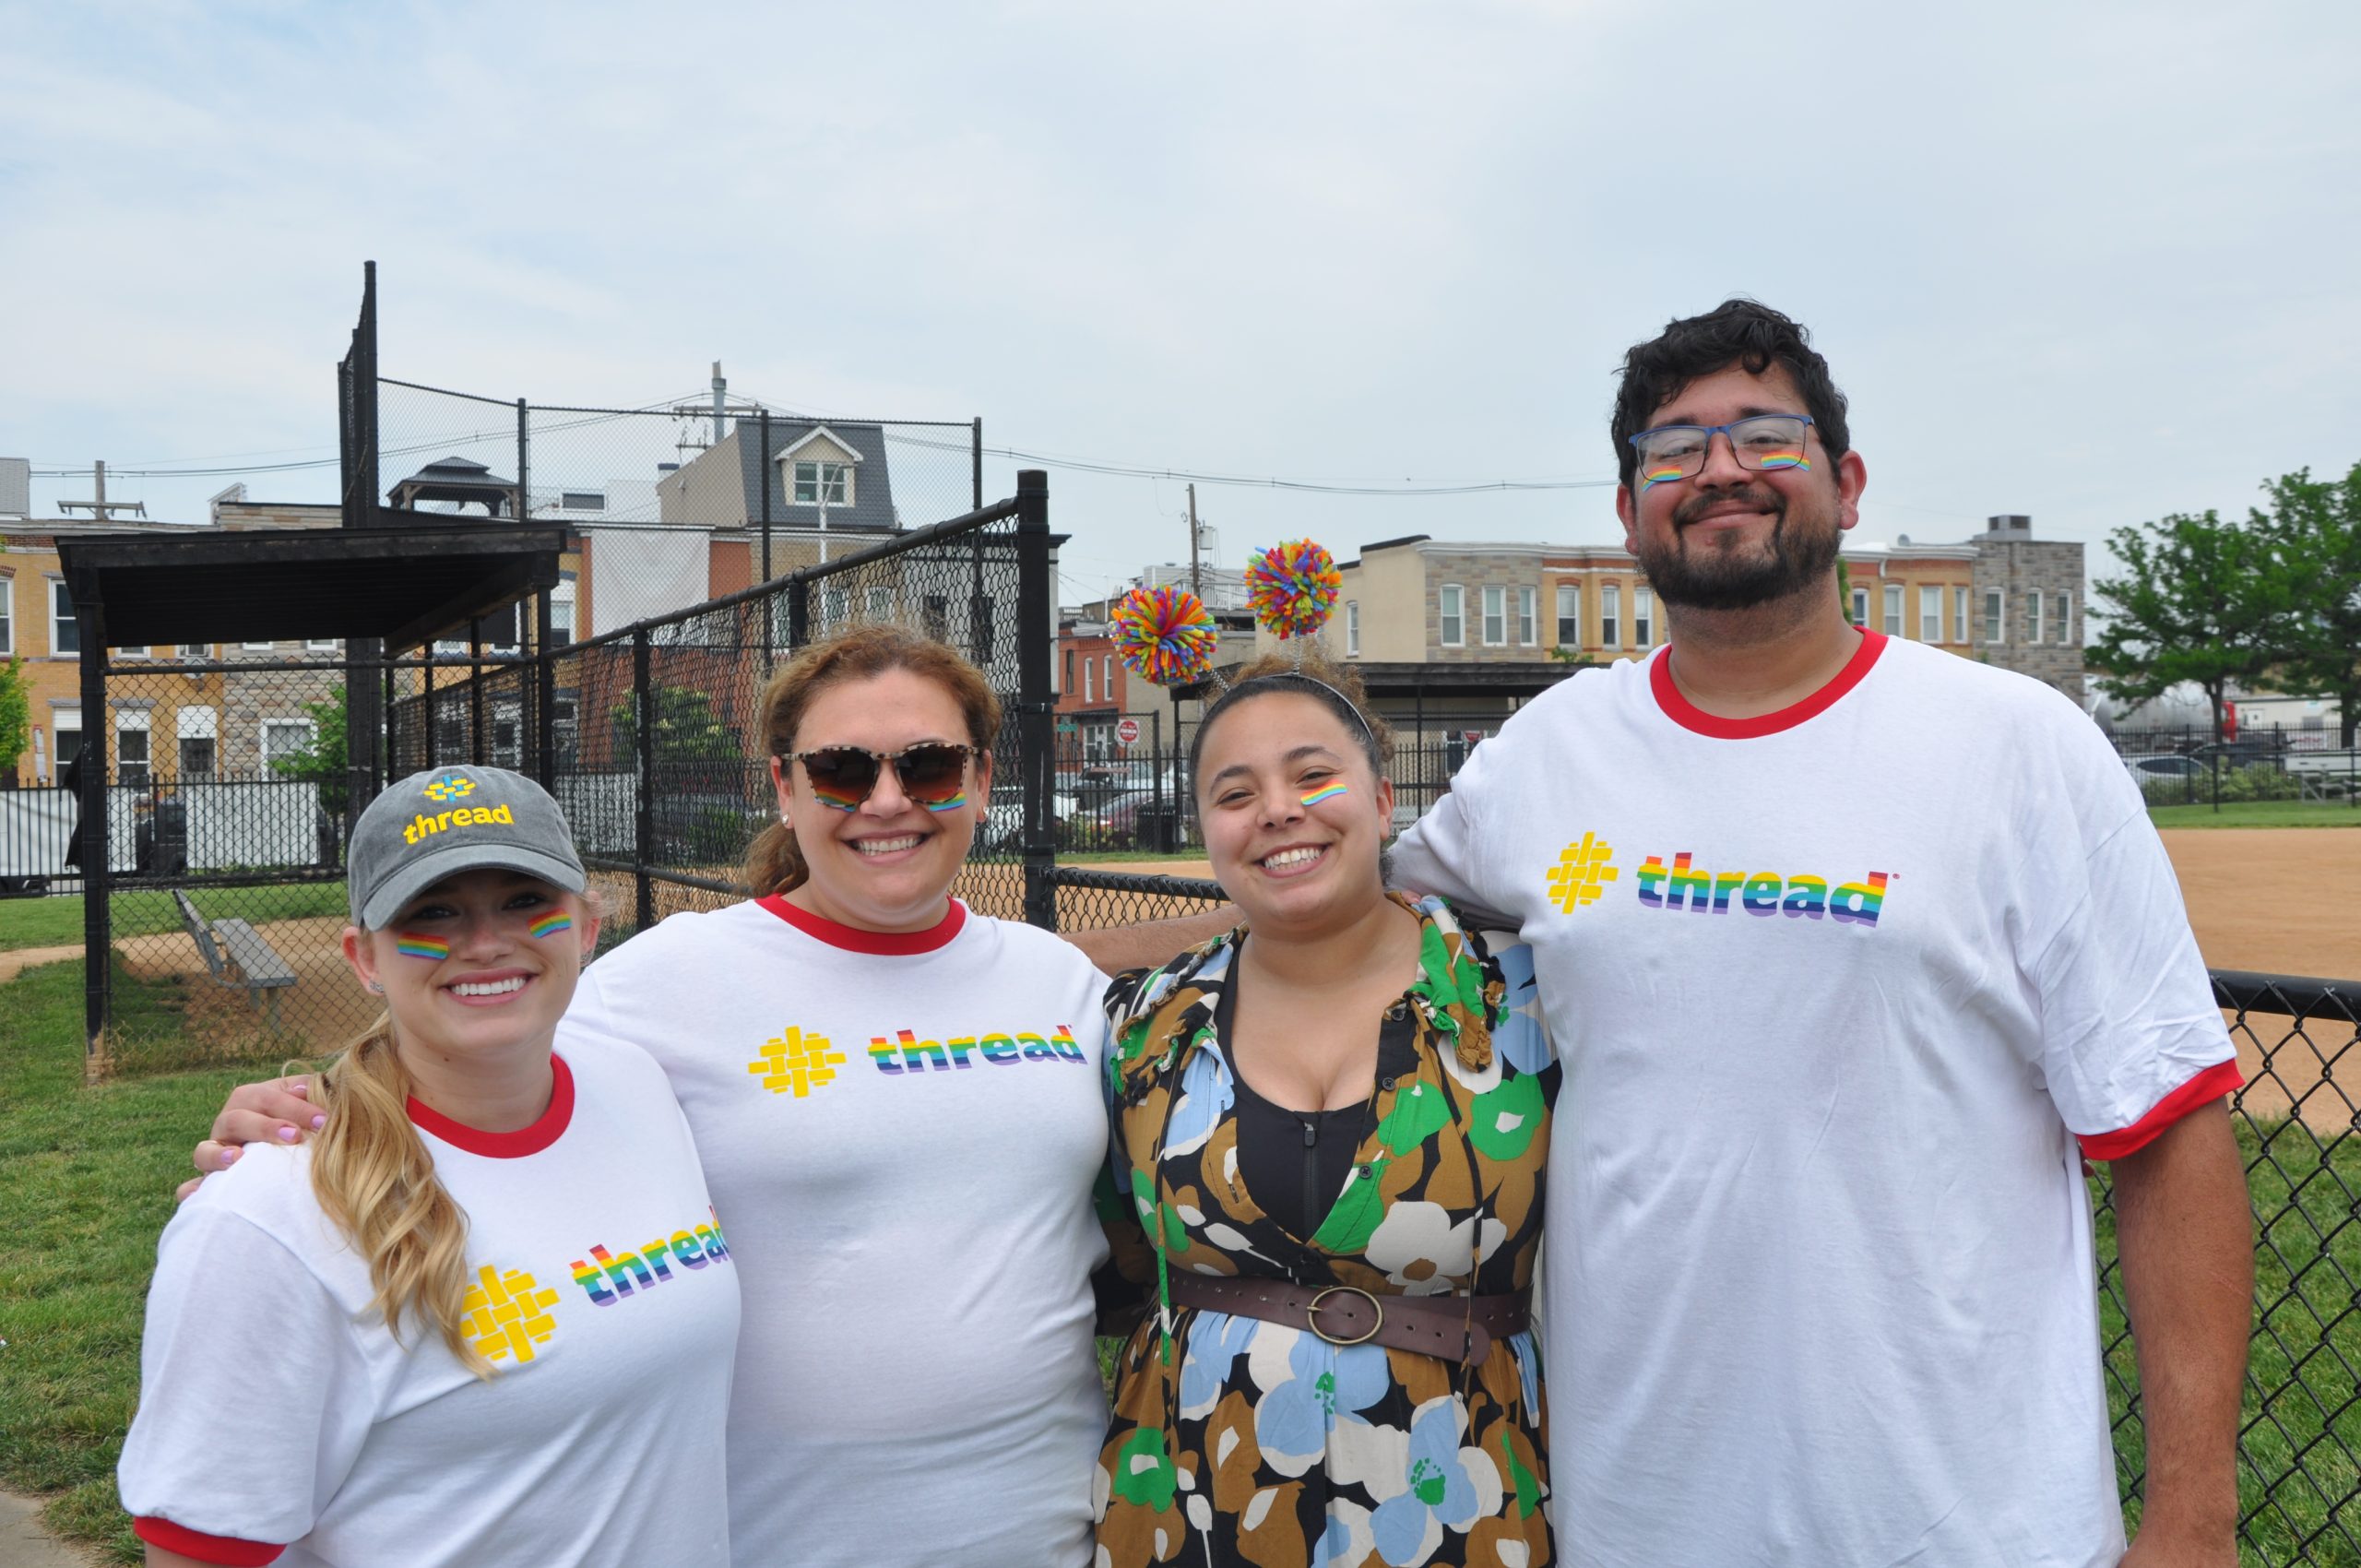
(872, 486)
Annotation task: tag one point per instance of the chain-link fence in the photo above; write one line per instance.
(648, 735)
(226, 789)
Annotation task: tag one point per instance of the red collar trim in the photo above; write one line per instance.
(527, 1140)
(1689, 716)
(852, 939)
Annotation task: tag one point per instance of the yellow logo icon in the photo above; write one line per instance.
(796, 1064)
(450, 787)
(507, 1314)
(1581, 873)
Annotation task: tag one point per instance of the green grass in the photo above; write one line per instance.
(2258, 813)
(58, 922)
(2300, 1448)
(87, 1177)
(86, 1185)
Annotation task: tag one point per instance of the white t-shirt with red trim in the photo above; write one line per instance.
(1837, 990)
(277, 1409)
(902, 1133)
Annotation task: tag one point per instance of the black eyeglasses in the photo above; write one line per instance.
(932, 774)
(1761, 441)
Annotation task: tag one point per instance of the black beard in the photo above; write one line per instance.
(1799, 557)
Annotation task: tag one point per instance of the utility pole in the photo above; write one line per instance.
(102, 510)
(1196, 579)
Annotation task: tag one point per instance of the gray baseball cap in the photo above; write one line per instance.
(447, 820)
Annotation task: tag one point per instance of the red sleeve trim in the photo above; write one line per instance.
(1689, 716)
(226, 1549)
(532, 1139)
(2222, 1078)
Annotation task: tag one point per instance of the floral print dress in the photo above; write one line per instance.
(1239, 1441)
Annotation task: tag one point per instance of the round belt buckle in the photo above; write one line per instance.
(1377, 1314)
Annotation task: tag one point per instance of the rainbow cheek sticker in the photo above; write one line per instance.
(417, 946)
(1787, 461)
(836, 802)
(1330, 793)
(1661, 476)
(552, 923)
(953, 804)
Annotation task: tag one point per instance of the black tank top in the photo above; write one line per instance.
(1294, 1163)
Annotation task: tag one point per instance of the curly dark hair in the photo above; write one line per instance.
(1737, 332)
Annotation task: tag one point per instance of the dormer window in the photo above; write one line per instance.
(819, 482)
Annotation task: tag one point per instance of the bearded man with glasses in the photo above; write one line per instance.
(1852, 950)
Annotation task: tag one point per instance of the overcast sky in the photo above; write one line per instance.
(2091, 262)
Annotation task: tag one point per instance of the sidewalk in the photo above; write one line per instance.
(24, 1544)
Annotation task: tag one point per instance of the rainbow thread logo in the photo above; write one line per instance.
(551, 924)
(1581, 873)
(415, 946)
(1684, 884)
(507, 1314)
(796, 1064)
(450, 787)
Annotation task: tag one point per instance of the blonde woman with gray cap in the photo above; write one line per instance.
(487, 1309)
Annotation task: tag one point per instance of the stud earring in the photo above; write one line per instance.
(377, 988)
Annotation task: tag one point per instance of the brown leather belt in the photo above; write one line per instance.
(1345, 1314)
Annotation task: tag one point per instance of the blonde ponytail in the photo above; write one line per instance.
(374, 1177)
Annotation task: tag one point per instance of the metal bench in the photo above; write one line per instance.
(249, 962)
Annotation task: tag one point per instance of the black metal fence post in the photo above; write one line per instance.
(643, 853)
(1035, 632)
(98, 937)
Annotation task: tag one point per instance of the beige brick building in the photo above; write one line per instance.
(2001, 596)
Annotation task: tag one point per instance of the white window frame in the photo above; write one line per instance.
(878, 605)
(1528, 616)
(1496, 616)
(1569, 614)
(7, 614)
(266, 755)
(833, 481)
(2032, 617)
(1352, 628)
(1996, 617)
(1088, 695)
(2061, 622)
(1930, 613)
(322, 645)
(562, 610)
(835, 608)
(1450, 615)
(1960, 631)
(134, 722)
(192, 650)
(1892, 626)
(1644, 617)
(62, 721)
(1610, 616)
(1860, 607)
(1107, 675)
(58, 591)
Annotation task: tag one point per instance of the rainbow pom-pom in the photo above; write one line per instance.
(1164, 635)
(1293, 587)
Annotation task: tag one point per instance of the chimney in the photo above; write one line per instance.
(2018, 523)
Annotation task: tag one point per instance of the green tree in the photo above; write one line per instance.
(323, 762)
(1845, 589)
(685, 727)
(2314, 526)
(2201, 600)
(16, 717)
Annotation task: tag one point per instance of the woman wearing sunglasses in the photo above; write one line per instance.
(900, 1109)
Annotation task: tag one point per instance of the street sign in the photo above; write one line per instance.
(1127, 730)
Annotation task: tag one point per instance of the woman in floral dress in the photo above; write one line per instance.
(1333, 1123)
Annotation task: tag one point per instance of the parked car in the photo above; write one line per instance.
(2145, 768)
(1003, 826)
